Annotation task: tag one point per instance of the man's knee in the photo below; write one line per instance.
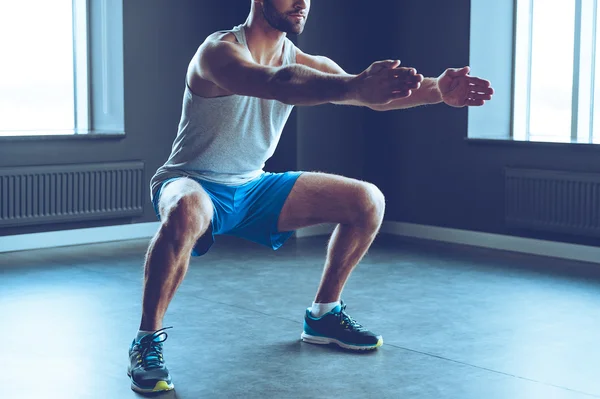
(188, 217)
(371, 205)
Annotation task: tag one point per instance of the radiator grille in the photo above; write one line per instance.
(556, 201)
(66, 193)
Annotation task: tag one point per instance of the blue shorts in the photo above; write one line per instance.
(250, 211)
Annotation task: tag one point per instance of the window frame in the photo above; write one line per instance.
(479, 117)
(81, 70)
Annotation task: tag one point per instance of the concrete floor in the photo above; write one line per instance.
(457, 323)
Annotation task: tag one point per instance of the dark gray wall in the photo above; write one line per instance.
(343, 139)
(159, 39)
(419, 157)
(330, 137)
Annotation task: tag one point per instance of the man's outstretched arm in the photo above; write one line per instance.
(232, 68)
(426, 93)
(454, 87)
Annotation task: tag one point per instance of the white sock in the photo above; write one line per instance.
(319, 309)
(141, 333)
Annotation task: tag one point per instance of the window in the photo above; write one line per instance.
(552, 57)
(53, 54)
(553, 40)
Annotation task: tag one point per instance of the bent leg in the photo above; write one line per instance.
(186, 212)
(357, 207)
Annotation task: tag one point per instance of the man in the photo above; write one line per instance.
(241, 86)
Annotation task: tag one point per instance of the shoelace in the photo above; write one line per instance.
(347, 321)
(150, 348)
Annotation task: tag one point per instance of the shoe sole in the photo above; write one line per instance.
(311, 339)
(161, 386)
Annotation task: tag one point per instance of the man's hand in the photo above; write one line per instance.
(458, 89)
(385, 81)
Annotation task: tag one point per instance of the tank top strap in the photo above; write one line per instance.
(240, 35)
(289, 52)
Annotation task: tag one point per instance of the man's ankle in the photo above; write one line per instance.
(319, 308)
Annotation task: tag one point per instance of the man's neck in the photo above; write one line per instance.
(265, 42)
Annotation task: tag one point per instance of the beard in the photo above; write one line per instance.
(279, 20)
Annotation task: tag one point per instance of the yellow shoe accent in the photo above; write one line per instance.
(162, 386)
(379, 343)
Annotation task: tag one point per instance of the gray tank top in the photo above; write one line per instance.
(226, 139)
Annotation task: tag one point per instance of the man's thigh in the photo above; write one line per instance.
(187, 202)
(184, 188)
(326, 198)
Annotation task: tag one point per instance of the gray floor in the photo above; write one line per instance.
(457, 323)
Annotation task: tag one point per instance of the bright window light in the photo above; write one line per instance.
(36, 72)
(556, 98)
(551, 97)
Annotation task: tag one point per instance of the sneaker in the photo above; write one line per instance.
(337, 327)
(147, 368)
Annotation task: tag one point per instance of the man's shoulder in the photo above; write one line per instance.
(217, 42)
(221, 36)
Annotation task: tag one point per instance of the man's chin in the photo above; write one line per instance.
(296, 29)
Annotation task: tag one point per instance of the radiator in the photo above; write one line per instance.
(553, 201)
(67, 193)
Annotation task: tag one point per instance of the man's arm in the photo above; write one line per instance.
(231, 67)
(427, 93)
(326, 65)
(455, 87)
